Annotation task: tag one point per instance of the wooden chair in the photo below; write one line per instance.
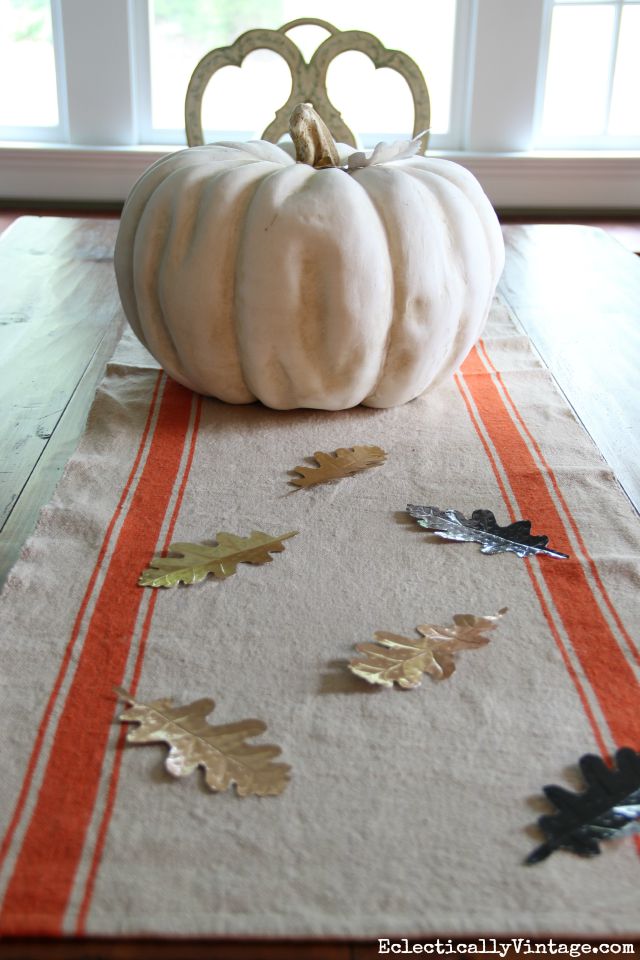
(308, 80)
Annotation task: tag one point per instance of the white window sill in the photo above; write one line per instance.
(549, 179)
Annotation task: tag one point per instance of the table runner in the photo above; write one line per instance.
(408, 812)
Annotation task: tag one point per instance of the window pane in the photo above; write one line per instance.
(182, 31)
(625, 103)
(575, 100)
(27, 65)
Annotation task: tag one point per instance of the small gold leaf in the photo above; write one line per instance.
(220, 750)
(341, 463)
(402, 660)
(193, 562)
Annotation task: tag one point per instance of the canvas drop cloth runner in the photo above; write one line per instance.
(408, 812)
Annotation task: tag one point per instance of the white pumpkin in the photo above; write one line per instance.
(249, 275)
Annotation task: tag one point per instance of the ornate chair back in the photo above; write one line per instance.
(308, 80)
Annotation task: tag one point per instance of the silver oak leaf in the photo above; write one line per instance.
(482, 528)
(385, 152)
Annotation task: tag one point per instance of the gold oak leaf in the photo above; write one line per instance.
(402, 660)
(341, 463)
(221, 750)
(193, 562)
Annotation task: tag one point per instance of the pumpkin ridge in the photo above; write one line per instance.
(365, 174)
(313, 304)
(414, 328)
(178, 230)
(443, 189)
(142, 193)
(332, 379)
(182, 368)
(132, 213)
(210, 187)
(239, 276)
(230, 265)
(486, 216)
(159, 332)
(234, 257)
(162, 306)
(205, 186)
(458, 176)
(271, 361)
(142, 198)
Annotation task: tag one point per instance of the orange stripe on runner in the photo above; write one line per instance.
(572, 522)
(133, 686)
(536, 586)
(591, 563)
(487, 450)
(602, 660)
(44, 723)
(39, 889)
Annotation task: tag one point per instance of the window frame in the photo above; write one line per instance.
(100, 161)
(604, 141)
(59, 132)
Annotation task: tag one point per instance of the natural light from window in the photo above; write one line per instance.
(593, 71)
(27, 65)
(244, 101)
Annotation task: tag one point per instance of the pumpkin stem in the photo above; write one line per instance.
(312, 139)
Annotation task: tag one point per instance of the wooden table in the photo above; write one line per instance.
(575, 291)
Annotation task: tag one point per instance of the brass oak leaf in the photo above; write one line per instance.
(193, 562)
(221, 750)
(402, 660)
(341, 463)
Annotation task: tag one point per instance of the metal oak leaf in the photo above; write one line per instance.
(386, 152)
(193, 562)
(403, 660)
(220, 750)
(608, 808)
(482, 528)
(341, 463)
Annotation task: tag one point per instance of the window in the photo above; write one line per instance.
(28, 78)
(592, 74)
(575, 86)
(510, 82)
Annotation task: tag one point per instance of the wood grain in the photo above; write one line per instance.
(9, 215)
(59, 321)
(576, 292)
(625, 231)
(99, 949)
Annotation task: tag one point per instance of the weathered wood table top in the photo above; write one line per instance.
(575, 291)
